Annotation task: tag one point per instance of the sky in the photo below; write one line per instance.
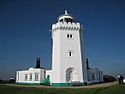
(25, 26)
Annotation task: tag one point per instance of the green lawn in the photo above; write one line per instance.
(117, 89)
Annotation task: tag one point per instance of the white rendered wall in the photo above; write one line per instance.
(101, 76)
(61, 45)
(20, 76)
(97, 73)
(55, 56)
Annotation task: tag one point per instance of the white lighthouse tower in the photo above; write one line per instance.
(68, 60)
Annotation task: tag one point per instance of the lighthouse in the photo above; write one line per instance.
(69, 65)
(68, 55)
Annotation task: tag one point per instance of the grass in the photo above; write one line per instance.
(117, 89)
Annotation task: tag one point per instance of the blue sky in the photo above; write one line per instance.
(25, 25)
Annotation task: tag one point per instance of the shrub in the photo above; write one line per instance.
(108, 78)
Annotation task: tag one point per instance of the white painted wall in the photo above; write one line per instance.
(101, 76)
(20, 75)
(61, 45)
(98, 75)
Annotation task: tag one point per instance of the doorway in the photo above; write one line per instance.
(71, 75)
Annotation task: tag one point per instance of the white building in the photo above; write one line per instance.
(31, 76)
(68, 57)
(94, 75)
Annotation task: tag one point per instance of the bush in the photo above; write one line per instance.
(108, 78)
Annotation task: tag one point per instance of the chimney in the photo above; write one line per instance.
(38, 63)
(87, 63)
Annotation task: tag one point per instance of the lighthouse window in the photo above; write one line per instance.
(70, 36)
(61, 20)
(68, 20)
(67, 35)
(70, 53)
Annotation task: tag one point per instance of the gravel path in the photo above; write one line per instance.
(89, 86)
(101, 85)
